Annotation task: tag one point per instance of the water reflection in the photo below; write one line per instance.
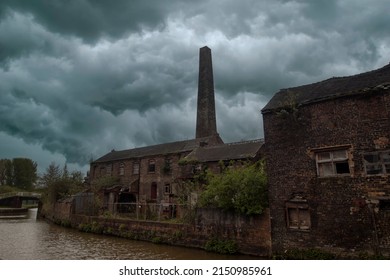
(37, 239)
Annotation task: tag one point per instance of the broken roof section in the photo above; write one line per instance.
(161, 149)
(230, 151)
(330, 89)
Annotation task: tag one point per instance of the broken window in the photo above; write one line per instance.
(331, 163)
(136, 168)
(384, 204)
(377, 162)
(121, 169)
(152, 166)
(298, 216)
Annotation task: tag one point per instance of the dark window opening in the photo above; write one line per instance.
(384, 205)
(152, 166)
(342, 167)
(127, 203)
(153, 191)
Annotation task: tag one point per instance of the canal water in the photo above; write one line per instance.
(32, 239)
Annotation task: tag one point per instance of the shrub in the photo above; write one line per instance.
(242, 189)
(221, 246)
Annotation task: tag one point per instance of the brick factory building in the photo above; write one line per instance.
(149, 175)
(327, 149)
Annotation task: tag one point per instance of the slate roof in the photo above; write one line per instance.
(167, 148)
(230, 151)
(160, 149)
(331, 88)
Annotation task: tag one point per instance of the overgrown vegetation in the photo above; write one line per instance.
(221, 246)
(58, 184)
(242, 189)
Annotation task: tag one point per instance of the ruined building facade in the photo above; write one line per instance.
(328, 164)
(152, 174)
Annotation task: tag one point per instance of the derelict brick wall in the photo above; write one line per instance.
(252, 234)
(160, 177)
(340, 217)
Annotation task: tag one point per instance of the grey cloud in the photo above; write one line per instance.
(92, 19)
(84, 77)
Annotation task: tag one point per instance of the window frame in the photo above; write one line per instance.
(136, 168)
(334, 162)
(381, 162)
(299, 207)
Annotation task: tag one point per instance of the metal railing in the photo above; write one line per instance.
(148, 211)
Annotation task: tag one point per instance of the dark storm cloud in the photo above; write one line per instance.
(92, 19)
(79, 78)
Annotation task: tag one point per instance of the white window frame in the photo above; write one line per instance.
(334, 162)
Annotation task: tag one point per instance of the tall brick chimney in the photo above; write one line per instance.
(206, 124)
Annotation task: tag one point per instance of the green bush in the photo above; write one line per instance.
(242, 189)
(221, 246)
(156, 240)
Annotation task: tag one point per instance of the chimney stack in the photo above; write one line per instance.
(206, 124)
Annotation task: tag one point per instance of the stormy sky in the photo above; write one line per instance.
(81, 77)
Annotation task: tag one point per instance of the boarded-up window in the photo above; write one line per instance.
(298, 216)
(377, 162)
(331, 163)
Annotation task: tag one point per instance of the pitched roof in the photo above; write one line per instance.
(230, 151)
(160, 149)
(331, 88)
(167, 148)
